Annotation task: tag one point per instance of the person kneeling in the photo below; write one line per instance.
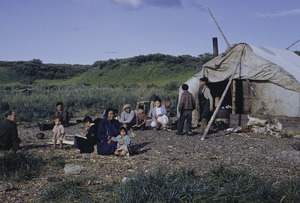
(123, 141)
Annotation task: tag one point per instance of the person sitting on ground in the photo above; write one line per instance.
(159, 115)
(61, 113)
(206, 103)
(123, 141)
(86, 143)
(186, 106)
(127, 117)
(9, 138)
(108, 128)
(141, 119)
(58, 133)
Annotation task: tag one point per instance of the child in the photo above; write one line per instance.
(141, 119)
(58, 133)
(123, 142)
(159, 115)
(206, 103)
(186, 106)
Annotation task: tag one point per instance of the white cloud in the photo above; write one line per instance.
(281, 13)
(130, 3)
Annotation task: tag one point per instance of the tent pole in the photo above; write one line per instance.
(233, 97)
(259, 102)
(222, 97)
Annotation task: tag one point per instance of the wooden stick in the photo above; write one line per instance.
(259, 102)
(293, 44)
(222, 98)
(219, 28)
(233, 97)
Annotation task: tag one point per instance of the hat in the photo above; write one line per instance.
(126, 106)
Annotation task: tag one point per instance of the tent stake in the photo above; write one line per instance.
(259, 102)
(222, 97)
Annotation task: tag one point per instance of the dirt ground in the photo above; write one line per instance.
(271, 158)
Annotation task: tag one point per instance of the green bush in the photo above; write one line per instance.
(18, 166)
(74, 190)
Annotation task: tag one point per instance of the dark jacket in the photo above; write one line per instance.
(9, 136)
(63, 115)
(187, 101)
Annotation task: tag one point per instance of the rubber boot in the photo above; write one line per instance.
(203, 125)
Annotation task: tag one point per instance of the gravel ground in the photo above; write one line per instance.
(271, 158)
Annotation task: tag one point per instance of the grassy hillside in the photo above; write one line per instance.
(157, 69)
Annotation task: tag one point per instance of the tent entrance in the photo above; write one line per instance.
(217, 90)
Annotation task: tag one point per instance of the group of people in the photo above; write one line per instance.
(110, 132)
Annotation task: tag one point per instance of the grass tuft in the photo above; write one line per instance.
(74, 190)
(57, 161)
(290, 191)
(219, 185)
(18, 166)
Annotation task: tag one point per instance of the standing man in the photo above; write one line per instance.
(206, 103)
(186, 106)
(9, 133)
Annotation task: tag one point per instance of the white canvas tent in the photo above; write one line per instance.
(274, 73)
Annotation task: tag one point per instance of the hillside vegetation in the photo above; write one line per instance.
(32, 88)
(158, 69)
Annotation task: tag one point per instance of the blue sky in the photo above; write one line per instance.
(85, 31)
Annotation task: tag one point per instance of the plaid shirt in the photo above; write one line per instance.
(187, 101)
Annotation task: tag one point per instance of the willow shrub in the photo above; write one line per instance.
(39, 100)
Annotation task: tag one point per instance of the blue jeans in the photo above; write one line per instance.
(185, 114)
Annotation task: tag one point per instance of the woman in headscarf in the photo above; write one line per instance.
(108, 128)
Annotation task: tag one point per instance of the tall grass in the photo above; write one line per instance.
(18, 166)
(40, 100)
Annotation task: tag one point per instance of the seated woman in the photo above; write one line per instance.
(159, 115)
(86, 145)
(108, 128)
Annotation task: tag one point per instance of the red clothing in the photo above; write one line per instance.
(141, 117)
(187, 101)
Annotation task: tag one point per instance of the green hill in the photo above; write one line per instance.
(158, 69)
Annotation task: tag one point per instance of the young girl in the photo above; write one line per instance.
(159, 115)
(58, 133)
(123, 142)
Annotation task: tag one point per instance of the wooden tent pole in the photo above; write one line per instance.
(222, 97)
(219, 28)
(259, 102)
(233, 97)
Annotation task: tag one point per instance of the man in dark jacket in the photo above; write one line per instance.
(9, 133)
(61, 113)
